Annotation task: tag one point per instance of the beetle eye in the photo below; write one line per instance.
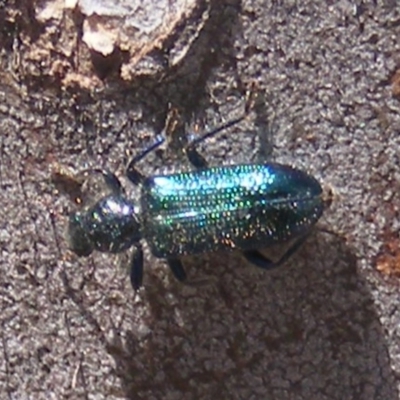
(78, 239)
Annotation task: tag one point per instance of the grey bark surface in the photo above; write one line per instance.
(324, 326)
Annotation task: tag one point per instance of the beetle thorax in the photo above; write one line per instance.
(111, 225)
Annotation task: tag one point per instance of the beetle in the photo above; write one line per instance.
(244, 207)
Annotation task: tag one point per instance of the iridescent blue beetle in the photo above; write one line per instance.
(236, 207)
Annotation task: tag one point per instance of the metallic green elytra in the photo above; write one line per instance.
(241, 207)
(237, 207)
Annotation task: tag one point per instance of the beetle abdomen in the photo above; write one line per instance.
(239, 206)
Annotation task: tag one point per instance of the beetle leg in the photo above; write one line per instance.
(133, 174)
(259, 260)
(177, 269)
(110, 179)
(112, 182)
(136, 268)
(196, 159)
(180, 274)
